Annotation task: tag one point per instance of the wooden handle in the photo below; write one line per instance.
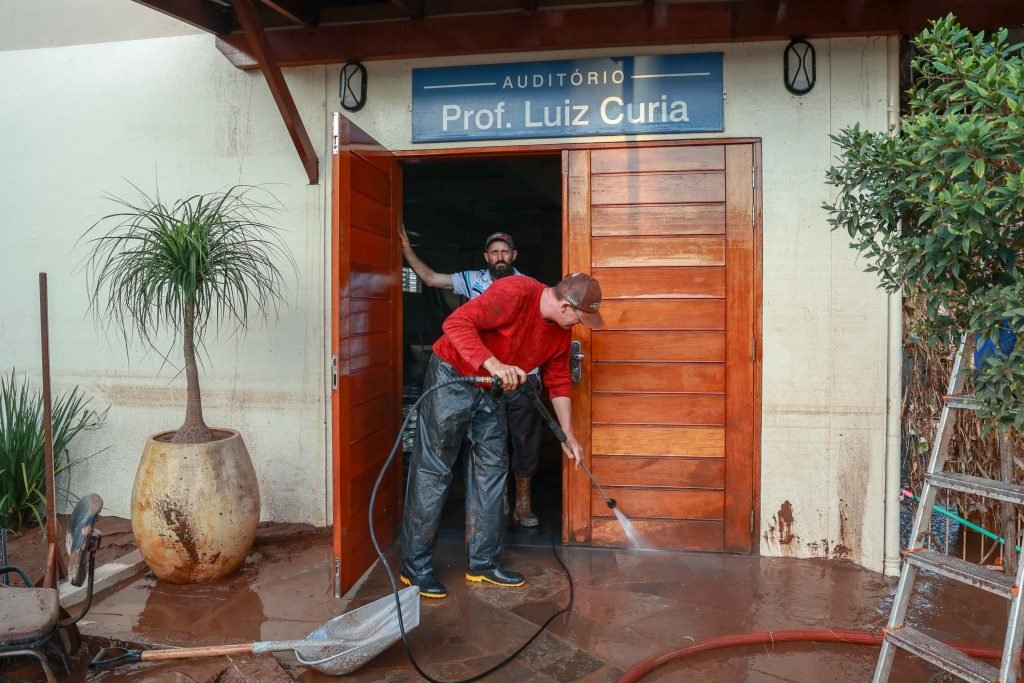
(188, 652)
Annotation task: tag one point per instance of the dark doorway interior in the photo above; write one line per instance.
(450, 207)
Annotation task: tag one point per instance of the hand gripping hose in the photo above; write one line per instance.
(494, 382)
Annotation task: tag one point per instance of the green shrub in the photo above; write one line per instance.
(936, 207)
(22, 446)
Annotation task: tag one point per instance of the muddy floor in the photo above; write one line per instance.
(27, 550)
(628, 605)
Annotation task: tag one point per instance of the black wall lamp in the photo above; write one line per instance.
(352, 88)
(799, 67)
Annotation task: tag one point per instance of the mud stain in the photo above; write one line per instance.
(178, 523)
(785, 519)
(840, 552)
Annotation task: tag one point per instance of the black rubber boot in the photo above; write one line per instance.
(428, 584)
(498, 576)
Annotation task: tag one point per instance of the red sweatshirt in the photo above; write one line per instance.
(505, 322)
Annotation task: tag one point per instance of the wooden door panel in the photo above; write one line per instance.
(371, 383)
(370, 416)
(371, 181)
(661, 503)
(365, 317)
(362, 487)
(669, 384)
(667, 378)
(369, 214)
(368, 282)
(659, 346)
(615, 470)
(636, 252)
(740, 422)
(658, 219)
(690, 442)
(657, 188)
(661, 409)
(703, 536)
(364, 452)
(371, 249)
(366, 343)
(367, 350)
(670, 314)
(655, 159)
(661, 283)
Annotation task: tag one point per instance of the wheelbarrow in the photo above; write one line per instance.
(339, 647)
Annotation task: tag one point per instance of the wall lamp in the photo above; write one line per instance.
(352, 88)
(799, 67)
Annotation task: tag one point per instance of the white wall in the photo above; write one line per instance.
(82, 121)
(31, 24)
(824, 355)
(87, 117)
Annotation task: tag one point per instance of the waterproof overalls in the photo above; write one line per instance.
(446, 417)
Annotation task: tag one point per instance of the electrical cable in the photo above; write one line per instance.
(641, 669)
(391, 577)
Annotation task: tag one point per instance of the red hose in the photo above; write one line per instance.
(653, 662)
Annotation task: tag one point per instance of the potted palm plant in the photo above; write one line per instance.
(157, 271)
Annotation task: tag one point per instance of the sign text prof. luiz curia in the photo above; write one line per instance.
(603, 96)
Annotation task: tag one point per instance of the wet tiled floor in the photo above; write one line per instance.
(628, 605)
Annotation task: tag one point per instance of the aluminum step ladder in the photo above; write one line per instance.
(917, 556)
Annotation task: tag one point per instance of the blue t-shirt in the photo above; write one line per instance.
(473, 283)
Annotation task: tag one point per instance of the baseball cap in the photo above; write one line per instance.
(584, 294)
(504, 237)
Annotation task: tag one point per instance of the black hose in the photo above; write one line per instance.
(391, 576)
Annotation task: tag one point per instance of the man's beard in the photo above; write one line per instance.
(498, 273)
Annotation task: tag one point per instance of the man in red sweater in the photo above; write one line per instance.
(517, 323)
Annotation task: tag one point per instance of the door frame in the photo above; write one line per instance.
(559, 150)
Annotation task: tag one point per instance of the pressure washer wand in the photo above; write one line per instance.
(609, 501)
(560, 435)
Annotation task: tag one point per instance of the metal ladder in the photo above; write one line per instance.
(917, 556)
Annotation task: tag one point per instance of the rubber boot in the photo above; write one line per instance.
(524, 511)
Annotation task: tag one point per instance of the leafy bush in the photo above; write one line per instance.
(22, 446)
(937, 206)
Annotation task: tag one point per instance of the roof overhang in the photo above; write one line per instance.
(307, 32)
(272, 34)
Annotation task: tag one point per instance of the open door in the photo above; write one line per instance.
(366, 362)
(667, 409)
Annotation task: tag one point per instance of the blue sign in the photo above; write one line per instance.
(604, 96)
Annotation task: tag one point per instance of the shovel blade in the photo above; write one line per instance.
(368, 631)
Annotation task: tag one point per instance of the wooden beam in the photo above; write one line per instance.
(529, 5)
(475, 34)
(410, 8)
(201, 14)
(297, 11)
(278, 87)
(619, 26)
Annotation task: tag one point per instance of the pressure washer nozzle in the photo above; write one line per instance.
(611, 503)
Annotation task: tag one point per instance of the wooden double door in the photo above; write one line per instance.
(666, 409)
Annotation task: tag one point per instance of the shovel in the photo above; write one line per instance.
(339, 647)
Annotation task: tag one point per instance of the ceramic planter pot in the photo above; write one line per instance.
(195, 507)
